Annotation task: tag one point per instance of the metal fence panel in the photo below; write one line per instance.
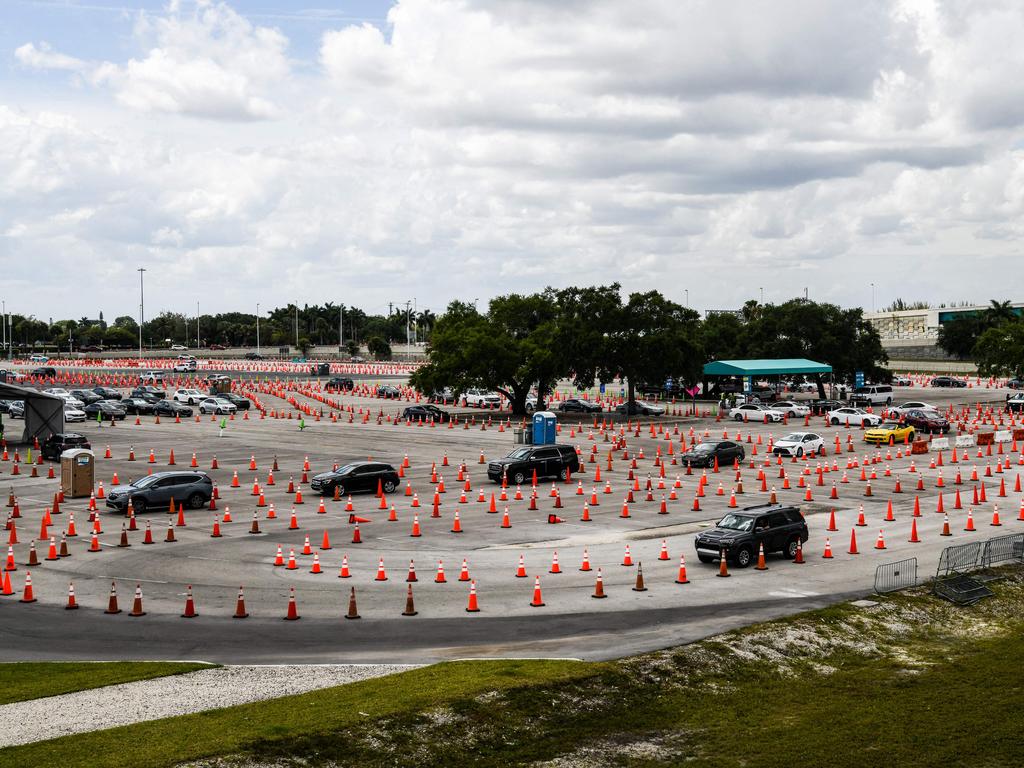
(1003, 549)
(959, 559)
(890, 577)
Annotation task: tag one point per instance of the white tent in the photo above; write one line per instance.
(44, 413)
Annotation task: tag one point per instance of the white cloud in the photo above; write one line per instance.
(44, 57)
(472, 147)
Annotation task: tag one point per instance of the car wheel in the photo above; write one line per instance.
(518, 478)
(744, 557)
(791, 547)
(336, 488)
(799, 453)
(196, 501)
(706, 558)
(139, 505)
(389, 486)
(835, 422)
(739, 417)
(911, 436)
(564, 473)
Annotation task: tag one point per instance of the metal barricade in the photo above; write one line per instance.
(891, 577)
(958, 559)
(1003, 549)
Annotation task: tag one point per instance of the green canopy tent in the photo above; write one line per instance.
(764, 368)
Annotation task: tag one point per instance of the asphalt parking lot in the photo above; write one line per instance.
(570, 623)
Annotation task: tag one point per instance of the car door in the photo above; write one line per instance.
(543, 461)
(778, 532)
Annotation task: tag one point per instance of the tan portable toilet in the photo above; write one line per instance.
(77, 472)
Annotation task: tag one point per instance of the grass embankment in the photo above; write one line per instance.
(21, 681)
(913, 682)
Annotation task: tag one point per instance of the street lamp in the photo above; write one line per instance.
(257, 327)
(872, 297)
(142, 307)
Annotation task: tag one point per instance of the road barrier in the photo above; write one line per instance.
(892, 577)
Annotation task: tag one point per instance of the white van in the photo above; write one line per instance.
(872, 394)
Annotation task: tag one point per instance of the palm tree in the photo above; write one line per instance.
(425, 321)
(999, 312)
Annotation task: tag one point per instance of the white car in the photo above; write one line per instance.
(902, 381)
(37, 358)
(791, 408)
(853, 416)
(806, 386)
(754, 412)
(152, 377)
(58, 391)
(73, 414)
(178, 348)
(914, 405)
(481, 398)
(799, 444)
(217, 405)
(189, 396)
(185, 367)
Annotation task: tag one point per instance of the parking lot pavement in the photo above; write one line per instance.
(571, 622)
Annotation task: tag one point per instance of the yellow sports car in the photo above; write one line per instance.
(890, 433)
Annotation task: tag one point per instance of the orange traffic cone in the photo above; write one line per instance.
(599, 586)
(537, 600)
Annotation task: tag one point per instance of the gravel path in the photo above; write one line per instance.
(114, 705)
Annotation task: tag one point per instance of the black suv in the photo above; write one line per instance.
(44, 371)
(545, 460)
(740, 534)
(339, 383)
(189, 487)
(355, 477)
(241, 403)
(59, 442)
(948, 381)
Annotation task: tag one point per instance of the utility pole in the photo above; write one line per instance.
(296, 324)
(197, 325)
(415, 325)
(3, 322)
(257, 327)
(341, 326)
(407, 336)
(142, 307)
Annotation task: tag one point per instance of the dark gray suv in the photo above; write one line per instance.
(191, 488)
(740, 534)
(545, 460)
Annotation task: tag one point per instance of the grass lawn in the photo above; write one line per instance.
(34, 680)
(172, 740)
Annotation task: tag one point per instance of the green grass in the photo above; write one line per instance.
(34, 680)
(224, 731)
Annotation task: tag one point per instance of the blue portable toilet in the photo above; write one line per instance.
(544, 428)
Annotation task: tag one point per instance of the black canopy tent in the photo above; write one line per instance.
(44, 413)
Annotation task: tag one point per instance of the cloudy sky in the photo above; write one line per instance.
(369, 151)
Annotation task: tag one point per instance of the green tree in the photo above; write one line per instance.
(654, 339)
(999, 351)
(352, 347)
(998, 312)
(127, 322)
(378, 347)
(724, 337)
(510, 349)
(304, 345)
(959, 334)
(120, 337)
(586, 319)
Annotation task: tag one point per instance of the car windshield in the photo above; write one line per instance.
(145, 482)
(519, 453)
(736, 522)
(891, 425)
(795, 437)
(704, 448)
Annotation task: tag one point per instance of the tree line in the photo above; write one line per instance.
(523, 343)
(316, 324)
(992, 337)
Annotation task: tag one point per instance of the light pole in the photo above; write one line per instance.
(762, 295)
(872, 297)
(341, 326)
(407, 336)
(687, 291)
(296, 324)
(257, 327)
(3, 322)
(142, 307)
